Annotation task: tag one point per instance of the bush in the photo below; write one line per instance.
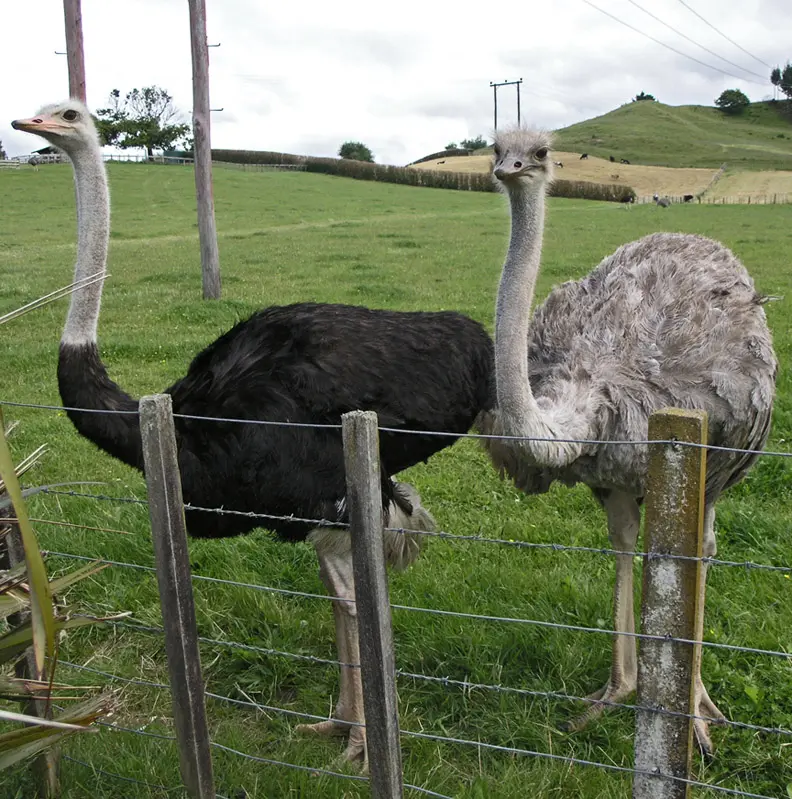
(355, 151)
(474, 144)
(463, 181)
(732, 101)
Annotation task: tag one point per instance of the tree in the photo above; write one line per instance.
(3, 155)
(732, 101)
(144, 118)
(451, 146)
(474, 144)
(782, 78)
(356, 151)
(643, 96)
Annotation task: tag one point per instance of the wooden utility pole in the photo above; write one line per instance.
(207, 230)
(495, 96)
(72, 14)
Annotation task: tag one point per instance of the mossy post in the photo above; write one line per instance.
(670, 607)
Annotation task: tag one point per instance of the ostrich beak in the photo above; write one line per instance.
(39, 124)
(511, 168)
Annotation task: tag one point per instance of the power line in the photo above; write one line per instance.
(693, 11)
(693, 41)
(667, 46)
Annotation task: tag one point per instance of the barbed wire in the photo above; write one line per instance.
(145, 628)
(480, 744)
(489, 617)
(407, 431)
(440, 739)
(582, 762)
(465, 685)
(255, 705)
(709, 561)
(134, 780)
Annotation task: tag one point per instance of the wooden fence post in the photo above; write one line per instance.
(670, 605)
(169, 532)
(377, 662)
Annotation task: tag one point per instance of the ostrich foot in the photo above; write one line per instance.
(611, 693)
(709, 714)
(356, 744)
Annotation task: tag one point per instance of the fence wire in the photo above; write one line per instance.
(709, 561)
(462, 684)
(513, 620)
(406, 431)
(420, 735)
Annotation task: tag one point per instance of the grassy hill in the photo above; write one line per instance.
(687, 136)
(291, 236)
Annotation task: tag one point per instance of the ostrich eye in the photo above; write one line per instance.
(70, 115)
(541, 153)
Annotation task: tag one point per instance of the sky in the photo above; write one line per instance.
(404, 78)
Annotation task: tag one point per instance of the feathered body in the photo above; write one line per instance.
(670, 320)
(307, 363)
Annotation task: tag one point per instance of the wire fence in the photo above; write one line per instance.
(403, 675)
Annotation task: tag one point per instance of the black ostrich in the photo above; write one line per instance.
(306, 362)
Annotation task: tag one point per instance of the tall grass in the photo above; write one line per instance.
(295, 236)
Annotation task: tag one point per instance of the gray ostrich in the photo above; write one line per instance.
(668, 320)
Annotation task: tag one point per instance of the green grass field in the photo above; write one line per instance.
(687, 135)
(287, 237)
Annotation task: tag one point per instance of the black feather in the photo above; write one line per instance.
(306, 362)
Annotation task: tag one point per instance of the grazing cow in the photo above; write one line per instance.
(441, 162)
(624, 161)
(584, 156)
(612, 160)
(662, 202)
(559, 164)
(688, 198)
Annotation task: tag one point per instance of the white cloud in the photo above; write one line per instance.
(403, 78)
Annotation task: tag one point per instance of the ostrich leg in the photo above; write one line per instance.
(335, 568)
(624, 520)
(704, 706)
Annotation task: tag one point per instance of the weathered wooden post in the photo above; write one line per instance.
(169, 532)
(377, 662)
(672, 604)
(72, 15)
(202, 153)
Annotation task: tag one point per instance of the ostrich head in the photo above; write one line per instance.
(67, 125)
(522, 155)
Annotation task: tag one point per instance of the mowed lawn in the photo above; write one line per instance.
(293, 236)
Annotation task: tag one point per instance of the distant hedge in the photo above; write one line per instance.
(442, 154)
(464, 181)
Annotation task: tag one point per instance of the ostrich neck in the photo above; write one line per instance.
(82, 377)
(93, 226)
(516, 403)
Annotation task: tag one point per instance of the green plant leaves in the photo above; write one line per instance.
(43, 623)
